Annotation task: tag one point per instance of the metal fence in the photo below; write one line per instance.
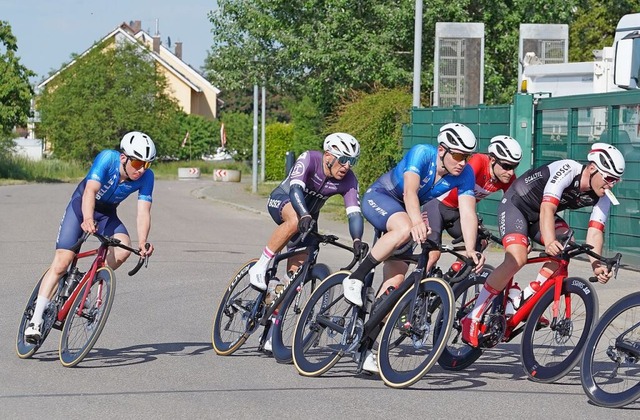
(557, 128)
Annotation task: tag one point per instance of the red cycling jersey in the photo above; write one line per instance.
(485, 184)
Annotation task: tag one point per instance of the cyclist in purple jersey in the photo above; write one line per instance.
(529, 210)
(295, 204)
(112, 178)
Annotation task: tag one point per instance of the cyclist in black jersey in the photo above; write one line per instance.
(529, 210)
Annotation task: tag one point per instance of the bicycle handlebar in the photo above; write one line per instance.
(333, 240)
(467, 263)
(110, 241)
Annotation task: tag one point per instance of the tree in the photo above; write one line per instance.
(93, 102)
(15, 90)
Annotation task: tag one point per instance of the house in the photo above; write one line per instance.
(193, 92)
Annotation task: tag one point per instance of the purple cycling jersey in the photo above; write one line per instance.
(308, 173)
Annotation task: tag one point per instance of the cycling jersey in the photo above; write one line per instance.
(106, 170)
(485, 184)
(308, 172)
(386, 196)
(557, 183)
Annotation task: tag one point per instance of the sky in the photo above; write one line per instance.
(50, 31)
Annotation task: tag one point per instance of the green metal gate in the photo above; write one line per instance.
(549, 129)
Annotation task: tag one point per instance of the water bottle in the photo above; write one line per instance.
(513, 299)
(530, 290)
(71, 282)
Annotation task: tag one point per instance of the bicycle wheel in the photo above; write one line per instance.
(319, 339)
(457, 355)
(238, 313)
(285, 322)
(87, 317)
(409, 346)
(24, 350)
(609, 369)
(550, 352)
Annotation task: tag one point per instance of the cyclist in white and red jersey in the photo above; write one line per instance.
(494, 171)
(114, 175)
(529, 210)
(295, 204)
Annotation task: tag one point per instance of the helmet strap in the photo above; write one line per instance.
(442, 160)
(124, 166)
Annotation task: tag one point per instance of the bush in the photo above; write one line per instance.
(376, 120)
(280, 141)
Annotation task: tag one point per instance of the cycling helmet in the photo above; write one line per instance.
(457, 137)
(505, 149)
(138, 146)
(342, 144)
(607, 159)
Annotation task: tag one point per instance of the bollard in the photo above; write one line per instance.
(226, 175)
(289, 160)
(188, 173)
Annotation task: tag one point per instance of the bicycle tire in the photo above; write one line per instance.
(458, 355)
(405, 355)
(230, 331)
(81, 331)
(550, 353)
(24, 349)
(318, 337)
(607, 382)
(291, 307)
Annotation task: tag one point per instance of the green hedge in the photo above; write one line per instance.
(279, 140)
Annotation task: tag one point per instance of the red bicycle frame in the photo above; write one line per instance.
(84, 286)
(555, 280)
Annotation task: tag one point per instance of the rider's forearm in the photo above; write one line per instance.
(468, 222)
(356, 225)
(547, 222)
(296, 194)
(143, 221)
(595, 238)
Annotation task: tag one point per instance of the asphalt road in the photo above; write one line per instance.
(154, 358)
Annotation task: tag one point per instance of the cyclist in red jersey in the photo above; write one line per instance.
(529, 210)
(494, 171)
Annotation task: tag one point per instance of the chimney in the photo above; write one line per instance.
(178, 50)
(156, 44)
(136, 25)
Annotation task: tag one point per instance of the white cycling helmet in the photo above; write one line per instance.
(457, 137)
(138, 145)
(607, 159)
(342, 144)
(505, 149)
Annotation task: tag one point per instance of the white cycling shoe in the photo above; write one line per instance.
(352, 290)
(370, 363)
(256, 278)
(32, 333)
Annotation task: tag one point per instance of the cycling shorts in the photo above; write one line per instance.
(70, 231)
(277, 200)
(378, 205)
(512, 221)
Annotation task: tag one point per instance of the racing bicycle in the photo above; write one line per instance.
(610, 368)
(80, 305)
(243, 308)
(555, 322)
(331, 327)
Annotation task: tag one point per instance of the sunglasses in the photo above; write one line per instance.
(507, 166)
(343, 160)
(138, 164)
(609, 179)
(458, 156)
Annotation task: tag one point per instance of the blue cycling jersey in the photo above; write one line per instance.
(106, 170)
(422, 159)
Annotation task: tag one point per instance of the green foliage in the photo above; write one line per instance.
(308, 123)
(594, 26)
(239, 128)
(376, 121)
(93, 102)
(46, 170)
(169, 170)
(279, 140)
(15, 90)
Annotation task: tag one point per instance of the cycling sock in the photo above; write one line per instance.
(41, 305)
(484, 300)
(368, 264)
(265, 258)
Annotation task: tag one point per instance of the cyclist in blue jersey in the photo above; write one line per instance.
(112, 178)
(392, 205)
